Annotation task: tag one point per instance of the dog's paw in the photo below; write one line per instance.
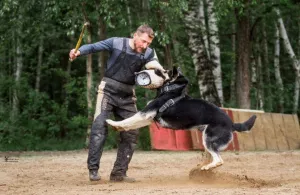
(205, 168)
(115, 125)
(211, 166)
(110, 122)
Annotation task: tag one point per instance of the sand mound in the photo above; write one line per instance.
(227, 179)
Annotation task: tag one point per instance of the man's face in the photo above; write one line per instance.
(141, 41)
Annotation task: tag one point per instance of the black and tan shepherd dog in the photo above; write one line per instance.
(173, 109)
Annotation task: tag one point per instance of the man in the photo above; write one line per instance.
(116, 95)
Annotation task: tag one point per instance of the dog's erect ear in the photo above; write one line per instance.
(173, 73)
(179, 71)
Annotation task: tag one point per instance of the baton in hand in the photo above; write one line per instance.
(80, 39)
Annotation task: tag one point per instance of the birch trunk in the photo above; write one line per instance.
(299, 36)
(253, 66)
(18, 72)
(214, 48)
(295, 61)
(40, 54)
(202, 64)
(277, 69)
(204, 31)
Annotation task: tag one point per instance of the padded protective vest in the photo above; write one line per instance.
(125, 66)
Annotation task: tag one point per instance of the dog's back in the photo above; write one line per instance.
(190, 113)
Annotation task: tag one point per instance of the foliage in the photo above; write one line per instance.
(55, 116)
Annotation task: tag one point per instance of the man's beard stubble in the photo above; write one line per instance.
(136, 48)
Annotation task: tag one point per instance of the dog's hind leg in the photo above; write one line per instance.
(206, 158)
(217, 161)
(212, 144)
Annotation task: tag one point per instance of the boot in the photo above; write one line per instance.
(94, 175)
(125, 179)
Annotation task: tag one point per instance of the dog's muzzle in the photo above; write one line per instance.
(143, 79)
(148, 79)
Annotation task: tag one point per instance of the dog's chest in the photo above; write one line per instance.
(163, 123)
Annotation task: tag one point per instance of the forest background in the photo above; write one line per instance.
(235, 53)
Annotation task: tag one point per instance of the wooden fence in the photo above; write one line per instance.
(272, 131)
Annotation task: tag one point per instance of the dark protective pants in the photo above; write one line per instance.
(118, 99)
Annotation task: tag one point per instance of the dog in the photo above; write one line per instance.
(172, 108)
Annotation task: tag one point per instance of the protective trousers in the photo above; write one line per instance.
(118, 99)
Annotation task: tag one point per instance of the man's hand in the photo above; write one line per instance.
(154, 64)
(73, 55)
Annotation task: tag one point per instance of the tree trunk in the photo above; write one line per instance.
(101, 55)
(168, 56)
(203, 30)
(266, 68)
(299, 36)
(214, 49)
(2, 77)
(202, 64)
(296, 95)
(277, 70)
(89, 79)
(168, 61)
(68, 78)
(295, 61)
(233, 68)
(243, 58)
(260, 91)
(129, 16)
(18, 73)
(39, 64)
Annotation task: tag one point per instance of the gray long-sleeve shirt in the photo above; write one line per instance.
(133, 63)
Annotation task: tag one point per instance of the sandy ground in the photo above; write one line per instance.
(158, 172)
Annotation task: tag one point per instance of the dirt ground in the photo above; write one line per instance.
(157, 172)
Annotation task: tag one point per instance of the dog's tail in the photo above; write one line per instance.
(245, 126)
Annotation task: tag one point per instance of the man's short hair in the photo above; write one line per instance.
(146, 29)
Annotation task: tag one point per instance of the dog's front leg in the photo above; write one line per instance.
(138, 120)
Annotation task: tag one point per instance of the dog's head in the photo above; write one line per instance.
(152, 78)
(176, 76)
(156, 78)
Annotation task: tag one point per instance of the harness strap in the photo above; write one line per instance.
(166, 105)
(170, 88)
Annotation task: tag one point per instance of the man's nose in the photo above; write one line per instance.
(145, 45)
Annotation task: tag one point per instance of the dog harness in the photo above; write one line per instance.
(168, 88)
(170, 102)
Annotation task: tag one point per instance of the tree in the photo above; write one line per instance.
(295, 61)
(203, 66)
